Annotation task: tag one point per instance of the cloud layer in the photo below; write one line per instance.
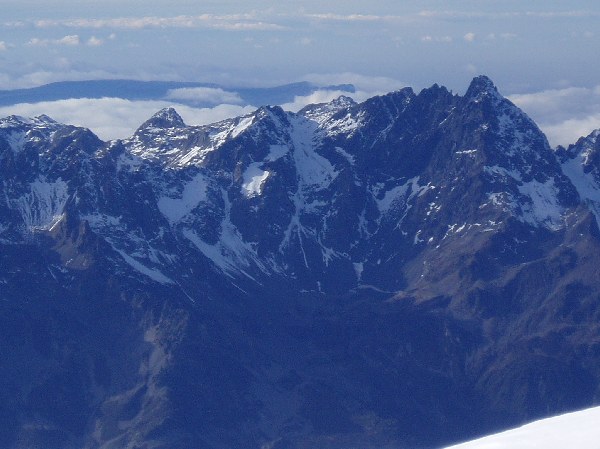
(116, 118)
(563, 114)
(232, 22)
(275, 43)
(70, 40)
(203, 95)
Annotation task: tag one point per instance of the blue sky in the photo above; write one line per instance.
(533, 47)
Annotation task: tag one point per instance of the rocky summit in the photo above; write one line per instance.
(407, 272)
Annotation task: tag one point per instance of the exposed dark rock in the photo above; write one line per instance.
(409, 271)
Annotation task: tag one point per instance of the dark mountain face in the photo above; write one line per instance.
(405, 272)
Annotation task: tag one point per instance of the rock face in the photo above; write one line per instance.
(406, 272)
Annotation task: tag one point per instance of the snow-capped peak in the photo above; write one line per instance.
(38, 121)
(343, 101)
(165, 118)
(437, 229)
(482, 87)
(43, 118)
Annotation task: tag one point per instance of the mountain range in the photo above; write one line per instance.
(407, 272)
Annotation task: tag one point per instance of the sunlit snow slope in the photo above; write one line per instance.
(574, 430)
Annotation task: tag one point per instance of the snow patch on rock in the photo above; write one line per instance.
(314, 170)
(152, 273)
(543, 207)
(43, 206)
(586, 184)
(398, 196)
(193, 193)
(253, 180)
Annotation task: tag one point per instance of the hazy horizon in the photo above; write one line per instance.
(540, 55)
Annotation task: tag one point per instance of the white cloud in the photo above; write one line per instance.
(320, 96)
(70, 40)
(50, 75)
(325, 96)
(503, 36)
(569, 131)
(365, 87)
(38, 73)
(14, 24)
(372, 85)
(554, 104)
(562, 14)
(469, 37)
(205, 116)
(3, 46)
(351, 17)
(232, 22)
(116, 118)
(510, 15)
(429, 38)
(563, 114)
(204, 95)
(452, 15)
(35, 42)
(247, 26)
(94, 41)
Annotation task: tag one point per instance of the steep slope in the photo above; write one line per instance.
(576, 429)
(580, 163)
(405, 272)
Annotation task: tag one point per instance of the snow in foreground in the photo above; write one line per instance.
(574, 430)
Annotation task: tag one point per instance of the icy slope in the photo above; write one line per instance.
(578, 430)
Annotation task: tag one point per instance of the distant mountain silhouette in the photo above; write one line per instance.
(156, 90)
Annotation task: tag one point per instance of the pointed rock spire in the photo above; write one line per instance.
(343, 101)
(164, 119)
(481, 86)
